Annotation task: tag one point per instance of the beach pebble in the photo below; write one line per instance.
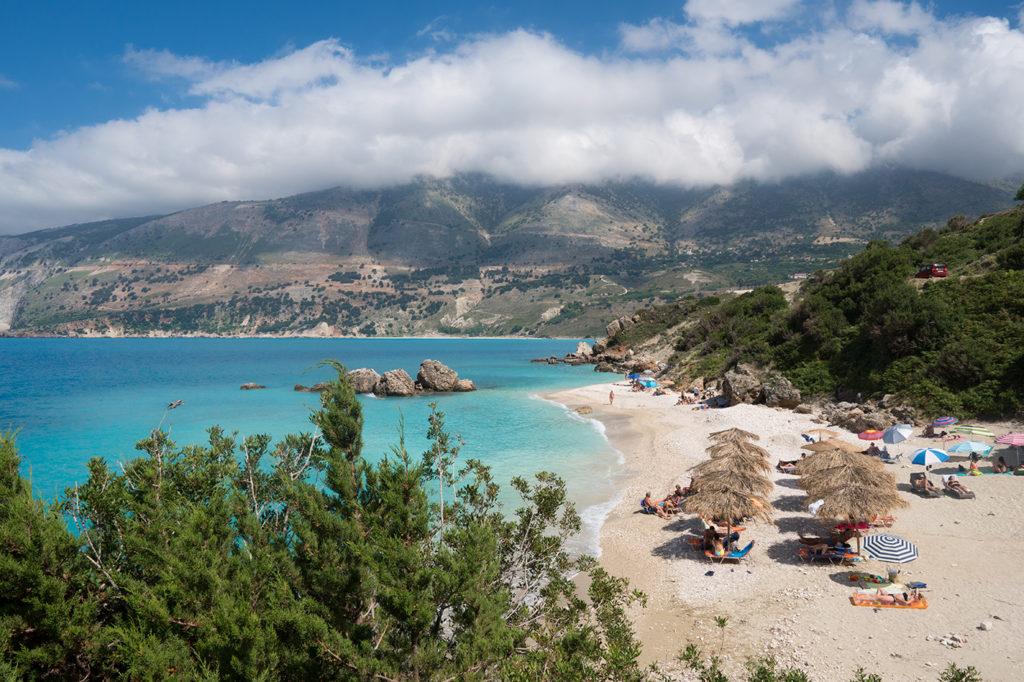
(985, 625)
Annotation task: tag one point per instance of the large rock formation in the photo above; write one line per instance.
(778, 391)
(742, 384)
(396, 382)
(464, 386)
(364, 380)
(436, 376)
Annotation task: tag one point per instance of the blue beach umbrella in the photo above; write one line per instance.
(972, 446)
(927, 456)
(649, 383)
(632, 375)
(945, 421)
(897, 434)
(890, 548)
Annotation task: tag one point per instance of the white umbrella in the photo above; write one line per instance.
(897, 434)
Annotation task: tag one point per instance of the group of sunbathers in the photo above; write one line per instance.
(671, 504)
(718, 543)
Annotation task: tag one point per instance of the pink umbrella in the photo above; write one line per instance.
(1014, 439)
(871, 434)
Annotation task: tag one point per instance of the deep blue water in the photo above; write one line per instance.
(72, 399)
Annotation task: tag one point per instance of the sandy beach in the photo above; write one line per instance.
(970, 556)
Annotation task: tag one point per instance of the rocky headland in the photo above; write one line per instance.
(432, 377)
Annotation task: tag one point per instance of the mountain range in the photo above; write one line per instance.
(467, 254)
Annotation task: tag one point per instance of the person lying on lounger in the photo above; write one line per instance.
(924, 484)
(676, 498)
(900, 599)
(951, 483)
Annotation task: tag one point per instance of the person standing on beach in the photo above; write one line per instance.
(611, 397)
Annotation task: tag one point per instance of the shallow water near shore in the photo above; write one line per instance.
(72, 399)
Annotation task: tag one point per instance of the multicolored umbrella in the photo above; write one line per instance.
(1014, 439)
(971, 446)
(897, 433)
(945, 421)
(890, 548)
(928, 456)
(972, 430)
(870, 434)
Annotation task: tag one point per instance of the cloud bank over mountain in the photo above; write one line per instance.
(755, 91)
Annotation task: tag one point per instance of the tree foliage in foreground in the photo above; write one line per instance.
(302, 560)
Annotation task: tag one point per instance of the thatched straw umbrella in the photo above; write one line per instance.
(733, 434)
(818, 482)
(821, 433)
(737, 478)
(830, 444)
(855, 502)
(735, 460)
(833, 458)
(729, 447)
(720, 501)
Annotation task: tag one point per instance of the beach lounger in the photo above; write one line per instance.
(957, 493)
(735, 555)
(870, 601)
(919, 486)
(833, 557)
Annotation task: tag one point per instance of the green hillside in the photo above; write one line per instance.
(953, 345)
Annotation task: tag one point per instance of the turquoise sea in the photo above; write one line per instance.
(73, 399)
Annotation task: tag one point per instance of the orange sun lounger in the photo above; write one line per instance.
(869, 600)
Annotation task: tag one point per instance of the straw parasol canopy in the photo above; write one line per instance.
(831, 444)
(820, 482)
(736, 460)
(834, 458)
(733, 434)
(728, 503)
(858, 501)
(743, 480)
(729, 447)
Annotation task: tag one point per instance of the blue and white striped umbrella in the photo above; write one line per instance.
(890, 548)
(926, 456)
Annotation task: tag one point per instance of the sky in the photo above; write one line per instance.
(125, 108)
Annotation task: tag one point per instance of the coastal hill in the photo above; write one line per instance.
(466, 255)
(868, 328)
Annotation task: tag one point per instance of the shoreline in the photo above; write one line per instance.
(777, 604)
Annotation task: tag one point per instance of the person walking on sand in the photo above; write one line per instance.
(611, 397)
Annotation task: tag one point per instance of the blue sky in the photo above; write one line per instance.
(113, 109)
(63, 61)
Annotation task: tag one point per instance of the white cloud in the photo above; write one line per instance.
(736, 12)
(6, 83)
(526, 108)
(890, 16)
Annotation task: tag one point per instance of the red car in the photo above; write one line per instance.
(933, 270)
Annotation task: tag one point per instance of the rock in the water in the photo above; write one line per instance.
(363, 380)
(251, 386)
(315, 388)
(742, 384)
(584, 350)
(778, 391)
(436, 376)
(395, 382)
(464, 386)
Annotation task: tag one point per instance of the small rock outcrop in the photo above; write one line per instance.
(395, 382)
(251, 386)
(315, 388)
(584, 350)
(363, 380)
(436, 376)
(464, 386)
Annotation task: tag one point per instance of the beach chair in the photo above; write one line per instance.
(735, 555)
(958, 493)
(835, 556)
(919, 486)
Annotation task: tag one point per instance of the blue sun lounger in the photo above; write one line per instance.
(735, 555)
